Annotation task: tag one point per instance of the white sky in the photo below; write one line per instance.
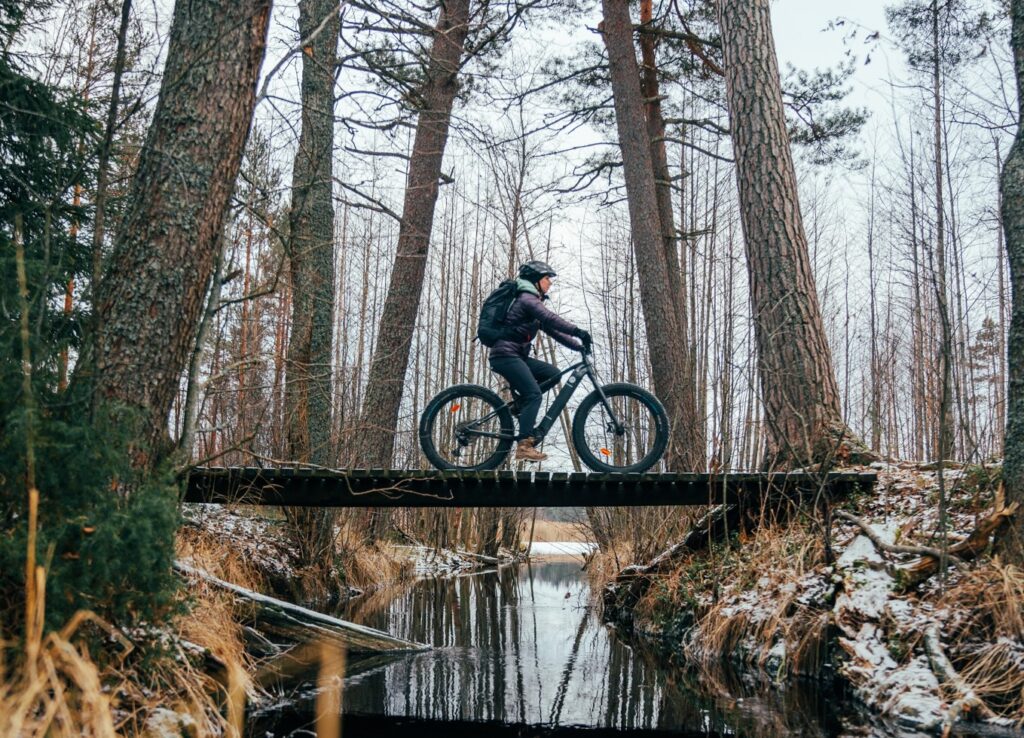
(803, 39)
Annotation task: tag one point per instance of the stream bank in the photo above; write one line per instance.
(927, 654)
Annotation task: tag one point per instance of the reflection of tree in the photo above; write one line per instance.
(570, 664)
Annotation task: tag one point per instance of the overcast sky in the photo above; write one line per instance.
(803, 39)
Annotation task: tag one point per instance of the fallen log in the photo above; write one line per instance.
(300, 624)
(966, 699)
(977, 543)
(892, 548)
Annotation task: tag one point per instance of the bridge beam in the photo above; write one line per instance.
(302, 487)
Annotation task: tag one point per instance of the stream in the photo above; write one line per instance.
(521, 651)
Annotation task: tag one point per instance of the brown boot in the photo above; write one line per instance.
(526, 451)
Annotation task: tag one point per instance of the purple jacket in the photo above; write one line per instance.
(526, 316)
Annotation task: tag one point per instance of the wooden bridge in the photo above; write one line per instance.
(315, 487)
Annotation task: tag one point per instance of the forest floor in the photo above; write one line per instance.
(916, 646)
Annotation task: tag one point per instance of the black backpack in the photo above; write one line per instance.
(491, 327)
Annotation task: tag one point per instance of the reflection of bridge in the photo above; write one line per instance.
(312, 487)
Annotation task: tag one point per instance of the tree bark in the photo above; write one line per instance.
(665, 339)
(155, 285)
(1011, 188)
(801, 398)
(308, 385)
(398, 321)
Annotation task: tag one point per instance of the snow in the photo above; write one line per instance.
(911, 694)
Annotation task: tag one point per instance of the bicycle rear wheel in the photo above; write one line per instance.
(466, 427)
(633, 445)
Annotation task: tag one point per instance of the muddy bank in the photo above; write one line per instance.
(858, 601)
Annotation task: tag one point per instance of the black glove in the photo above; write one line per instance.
(585, 338)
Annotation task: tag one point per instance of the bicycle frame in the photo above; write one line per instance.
(576, 374)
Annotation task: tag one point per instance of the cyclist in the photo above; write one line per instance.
(510, 355)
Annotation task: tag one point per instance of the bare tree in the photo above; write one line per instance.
(436, 98)
(659, 299)
(308, 385)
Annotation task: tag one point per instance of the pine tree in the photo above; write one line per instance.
(798, 384)
(1012, 211)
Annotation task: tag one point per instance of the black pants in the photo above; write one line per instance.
(525, 377)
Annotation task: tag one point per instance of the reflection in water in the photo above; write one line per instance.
(518, 652)
(523, 646)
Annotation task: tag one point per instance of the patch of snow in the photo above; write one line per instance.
(868, 655)
(911, 695)
(164, 723)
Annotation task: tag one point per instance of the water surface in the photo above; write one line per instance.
(521, 651)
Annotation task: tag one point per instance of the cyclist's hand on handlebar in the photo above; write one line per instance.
(586, 339)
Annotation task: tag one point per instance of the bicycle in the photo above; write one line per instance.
(618, 427)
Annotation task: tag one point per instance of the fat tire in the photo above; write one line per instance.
(440, 401)
(621, 389)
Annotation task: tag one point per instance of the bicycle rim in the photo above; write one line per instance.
(630, 444)
(453, 433)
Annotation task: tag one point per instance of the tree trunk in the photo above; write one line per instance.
(1012, 210)
(311, 252)
(154, 287)
(398, 321)
(691, 423)
(664, 337)
(801, 398)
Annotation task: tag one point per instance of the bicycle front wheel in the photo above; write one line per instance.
(631, 438)
(466, 427)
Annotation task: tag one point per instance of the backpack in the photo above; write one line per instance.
(491, 326)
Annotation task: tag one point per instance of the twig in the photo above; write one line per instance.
(33, 603)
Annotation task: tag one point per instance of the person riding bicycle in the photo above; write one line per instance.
(510, 355)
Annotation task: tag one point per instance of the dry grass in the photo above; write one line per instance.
(555, 531)
(986, 635)
(57, 689)
(742, 601)
(217, 556)
(368, 565)
(604, 566)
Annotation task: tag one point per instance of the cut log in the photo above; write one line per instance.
(300, 624)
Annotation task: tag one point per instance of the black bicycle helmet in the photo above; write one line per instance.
(535, 271)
